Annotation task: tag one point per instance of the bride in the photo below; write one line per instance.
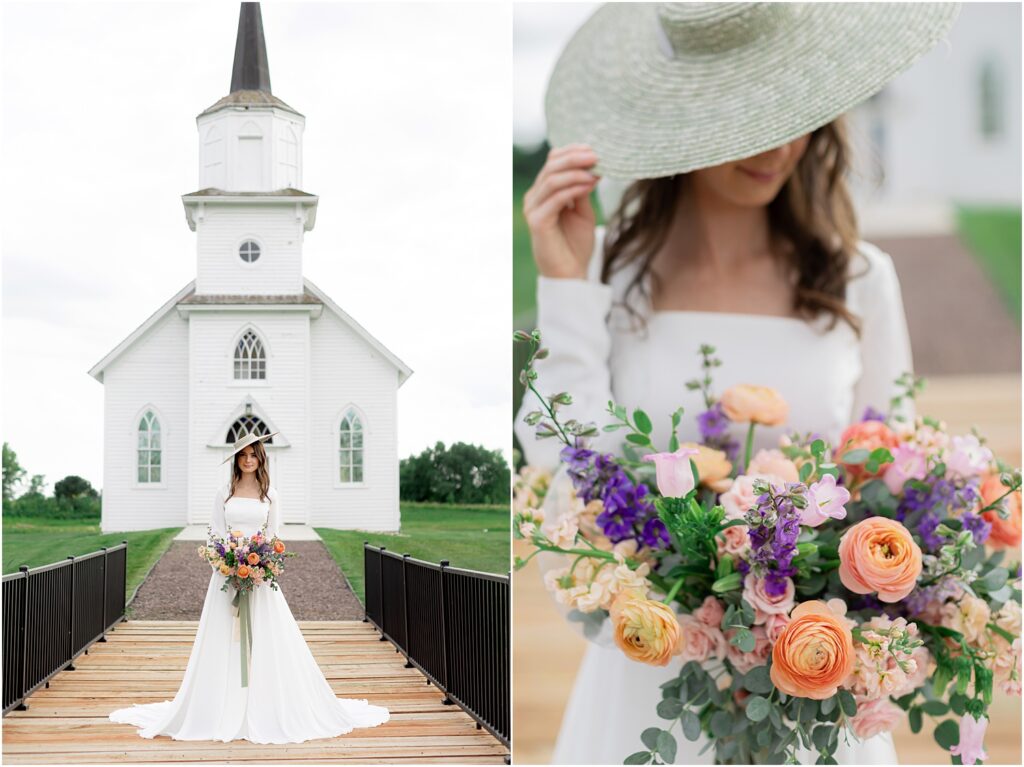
(287, 700)
(737, 231)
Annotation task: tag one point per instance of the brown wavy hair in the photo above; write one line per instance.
(262, 473)
(812, 224)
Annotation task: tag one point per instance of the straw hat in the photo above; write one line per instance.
(246, 439)
(663, 88)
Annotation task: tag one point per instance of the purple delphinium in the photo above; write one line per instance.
(979, 528)
(931, 540)
(713, 422)
(774, 526)
(870, 414)
(628, 508)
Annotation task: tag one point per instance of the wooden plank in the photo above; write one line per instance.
(143, 662)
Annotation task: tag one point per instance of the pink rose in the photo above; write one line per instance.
(765, 605)
(734, 541)
(775, 625)
(773, 464)
(673, 471)
(908, 463)
(875, 716)
(740, 498)
(700, 640)
(710, 613)
(967, 458)
(744, 661)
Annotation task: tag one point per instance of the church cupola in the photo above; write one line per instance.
(250, 140)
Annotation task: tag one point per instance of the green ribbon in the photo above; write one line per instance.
(241, 601)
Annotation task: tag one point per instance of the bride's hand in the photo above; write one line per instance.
(559, 214)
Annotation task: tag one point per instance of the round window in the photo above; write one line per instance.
(249, 251)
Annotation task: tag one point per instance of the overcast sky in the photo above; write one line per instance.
(406, 143)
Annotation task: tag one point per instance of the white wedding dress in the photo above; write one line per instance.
(288, 700)
(597, 353)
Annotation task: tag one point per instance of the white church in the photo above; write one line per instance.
(250, 344)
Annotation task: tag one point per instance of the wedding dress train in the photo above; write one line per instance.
(288, 700)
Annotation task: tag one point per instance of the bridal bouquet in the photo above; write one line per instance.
(807, 593)
(246, 562)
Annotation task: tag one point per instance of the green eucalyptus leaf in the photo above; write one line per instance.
(758, 680)
(947, 734)
(915, 719)
(650, 737)
(691, 725)
(828, 705)
(640, 757)
(670, 708)
(757, 708)
(721, 724)
(934, 708)
(666, 747)
(847, 703)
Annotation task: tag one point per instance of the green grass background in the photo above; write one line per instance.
(35, 542)
(474, 538)
(994, 236)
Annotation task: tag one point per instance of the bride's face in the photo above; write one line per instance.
(752, 181)
(247, 460)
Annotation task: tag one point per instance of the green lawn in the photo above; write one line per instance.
(33, 542)
(994, 236)
(473, 538)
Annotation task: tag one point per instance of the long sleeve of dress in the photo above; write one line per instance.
(572, 319)
(217, 522)
(885, 339)
(274, 519)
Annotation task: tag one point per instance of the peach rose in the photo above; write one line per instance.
(278, 546)
(814, 654)
(225, 570)
(875, 716)
(734, 541)
(739, 498)
(253, 558)
(700, 640)
(764, 604)
(866, 435)
(754, 404)
(243, 571)
(645, 630)
(774, 626)
(1005, 533)
(772, 464)
(710, 613)
(878, 554)
(713, 467)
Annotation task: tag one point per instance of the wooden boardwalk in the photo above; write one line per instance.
(143, 662)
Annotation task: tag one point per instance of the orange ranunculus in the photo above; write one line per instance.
(713, 467)
(754, 404)
(278, 546)
(878, 554)
(814, 653)
(253, 558)
(243, 571)
(1005, 532)
(866, 435)
(645, 630)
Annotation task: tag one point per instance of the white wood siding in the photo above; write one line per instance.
(282, 398)
(346, 370)
(153, 371)
(277, 230)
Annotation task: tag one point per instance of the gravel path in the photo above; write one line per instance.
(312, 583)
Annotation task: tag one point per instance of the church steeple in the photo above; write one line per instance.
(251, 71)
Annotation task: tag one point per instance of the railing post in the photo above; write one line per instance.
(103, 635)
(405, 607)
(24, 643)
(124, 581)
(444, 636)
(380, 580)
(71, 622)
(366, 617)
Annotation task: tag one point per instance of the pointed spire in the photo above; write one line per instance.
(251, 71)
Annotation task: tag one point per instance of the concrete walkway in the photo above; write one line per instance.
(288, 533)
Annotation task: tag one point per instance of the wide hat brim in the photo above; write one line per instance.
(251, 439)
(649, 108)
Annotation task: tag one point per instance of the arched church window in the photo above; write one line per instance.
(250, 358)
(249, 251)
(149, 448)
(248, 424)
(350, 448)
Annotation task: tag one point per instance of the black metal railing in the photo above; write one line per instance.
(53, 613)
(451, 624)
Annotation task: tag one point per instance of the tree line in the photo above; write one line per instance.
(73, 496)
(461, 474)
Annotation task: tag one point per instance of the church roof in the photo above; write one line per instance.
(311, 295)
(250, 98)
